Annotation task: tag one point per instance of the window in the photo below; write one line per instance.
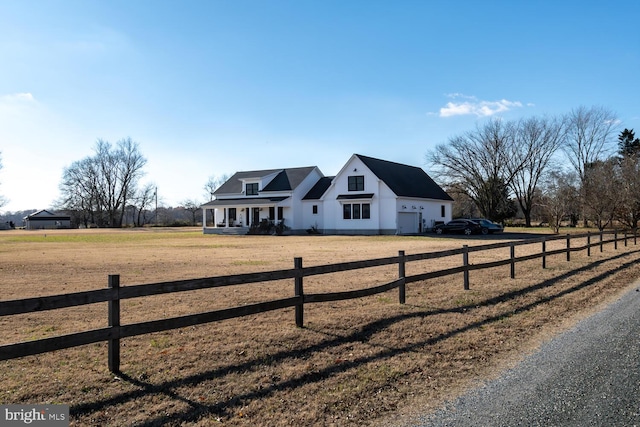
(442, 211)
(252, 189)
(356, 211)
(232, 214)
(280, 213)
(346, 211)
(356, 183)
(366, 211)
(272, 213)
(315, 209)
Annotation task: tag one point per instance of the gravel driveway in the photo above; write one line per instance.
(587, 376)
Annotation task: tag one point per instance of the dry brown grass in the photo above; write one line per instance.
(362, 362)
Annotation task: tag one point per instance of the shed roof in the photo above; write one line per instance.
(245, 201)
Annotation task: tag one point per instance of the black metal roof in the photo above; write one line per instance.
(285, 180)
(355, 196)
(405, 180)
(319, 188)
(45, 215)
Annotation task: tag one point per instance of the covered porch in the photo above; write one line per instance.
(237, 216)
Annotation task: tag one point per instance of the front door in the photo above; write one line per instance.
(256, 216)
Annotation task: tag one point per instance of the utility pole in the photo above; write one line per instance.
(156, 194)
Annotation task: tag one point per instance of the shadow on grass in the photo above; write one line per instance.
(225, 408)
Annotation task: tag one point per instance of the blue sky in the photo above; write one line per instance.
(212, 87)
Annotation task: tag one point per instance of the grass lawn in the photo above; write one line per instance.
(369, 361)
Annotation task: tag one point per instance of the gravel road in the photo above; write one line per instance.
(587, 376)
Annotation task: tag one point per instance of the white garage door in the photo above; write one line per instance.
(407, 222)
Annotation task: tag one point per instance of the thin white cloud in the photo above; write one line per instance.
(17, 97)
(472, 106)
(460, 95)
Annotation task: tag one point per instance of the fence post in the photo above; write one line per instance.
(114, 324)
(513, 262)
(568, 247)
(465, 263)
(600, 240)
(299, 292)
(588, 243)
(544, 252)
(402, 289)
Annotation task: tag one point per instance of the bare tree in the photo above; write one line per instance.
(536, 142)
(559, 197)
(589, 139)
(192, 206)
(480, 163)
(463, 206)
(602, 194)
(589, 136)
(143, 202)
(102, 186)
(79, 194)
(212, 185)
(628, 212)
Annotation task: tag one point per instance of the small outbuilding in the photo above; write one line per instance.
(45, 220)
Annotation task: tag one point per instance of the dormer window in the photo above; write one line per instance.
(251, 189)
(356, 183)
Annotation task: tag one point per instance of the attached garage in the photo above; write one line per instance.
(407, 222)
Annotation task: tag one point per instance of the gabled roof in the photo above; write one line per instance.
(288, 179)
(46, 215)
(41, 212)
(405, 180)
(285, 180)
(319, 188)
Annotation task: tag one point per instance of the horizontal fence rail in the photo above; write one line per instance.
(115, 293)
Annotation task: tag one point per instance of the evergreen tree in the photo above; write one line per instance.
(628, 144)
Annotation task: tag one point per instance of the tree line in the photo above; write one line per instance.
(99, 190)
(548, 169)
(552, 169)
(104, 190)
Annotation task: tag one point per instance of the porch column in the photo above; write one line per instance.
(226, 217)
(213, 217)
(204, 218)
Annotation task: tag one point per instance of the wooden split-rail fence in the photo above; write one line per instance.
(114, 293)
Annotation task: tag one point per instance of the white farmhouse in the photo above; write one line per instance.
(249, 198)
(367, 196)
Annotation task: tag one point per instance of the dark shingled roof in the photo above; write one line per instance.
(319, 188)
(285, 180)
(404, 180)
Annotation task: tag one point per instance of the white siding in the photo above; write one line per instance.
(309, 219)
(295, 216)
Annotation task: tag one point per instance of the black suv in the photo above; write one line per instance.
(465, 226)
